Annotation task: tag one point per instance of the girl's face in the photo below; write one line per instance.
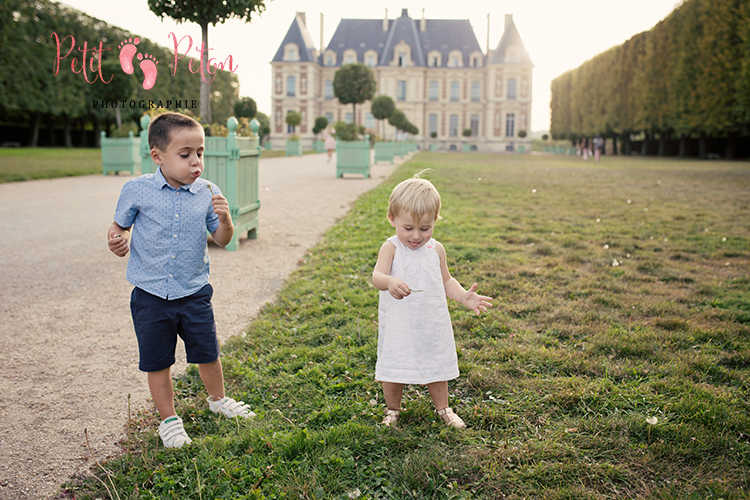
(413, 234)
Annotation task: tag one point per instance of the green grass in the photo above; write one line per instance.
(23, 164)
(557, 381)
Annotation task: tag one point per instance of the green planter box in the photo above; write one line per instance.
(293, 148)
(353, 157)
(319, 146)
(120, 154)
(433, 147)
(521, 149)
(384, 151)
(465, 148)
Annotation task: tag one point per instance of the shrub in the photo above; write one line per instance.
(521, 134)
(466, 132)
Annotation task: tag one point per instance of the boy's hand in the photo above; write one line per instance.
(477, 303)
(118, 244)
(398, 289)
(221, 208)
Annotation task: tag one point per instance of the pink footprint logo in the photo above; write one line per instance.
(127, 51)
(148, 66)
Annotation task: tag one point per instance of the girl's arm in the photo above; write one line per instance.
(454, 290)
(381, 276)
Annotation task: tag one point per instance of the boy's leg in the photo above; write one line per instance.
(439, 394)
(393, 393)
(212, 376)
(160, 384)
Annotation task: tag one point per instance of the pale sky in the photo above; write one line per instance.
(558, 35)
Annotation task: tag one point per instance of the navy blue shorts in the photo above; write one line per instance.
(158, 322)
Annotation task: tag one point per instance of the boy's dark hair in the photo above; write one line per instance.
(160, 129)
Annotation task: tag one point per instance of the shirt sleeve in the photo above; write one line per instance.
(126, 210)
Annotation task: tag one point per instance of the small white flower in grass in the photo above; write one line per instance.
(373, 402)
(724, 238)
(598, 219)
(627, 255)
(727, 264)
(630, 201)
(605, 246)
(615, 263)
(645, 209)
(705, 230)
(652, 420)
(480, 178)
(666, 239)
(354, 494)
(533, 191)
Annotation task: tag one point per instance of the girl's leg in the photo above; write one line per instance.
(439, 394)
(393, 393)
(160, 385)
(212, 376)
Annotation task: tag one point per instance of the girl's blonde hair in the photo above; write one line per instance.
(417, 196)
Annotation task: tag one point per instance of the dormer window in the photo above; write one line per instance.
(350, 56)
(371, 58)
(434, 59)
(402, 55)
(455, 59)
(476, 59)
(291, 53)
(402, 58)
(330, 58)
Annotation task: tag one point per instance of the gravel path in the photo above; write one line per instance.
(69, 352)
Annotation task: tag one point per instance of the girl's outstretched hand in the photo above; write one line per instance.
(477, 303)
(398, 289)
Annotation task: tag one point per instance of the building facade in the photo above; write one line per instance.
(433, 69)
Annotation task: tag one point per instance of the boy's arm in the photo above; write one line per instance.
(223, 234)
(454, 290)
(117, 239)
(381, 276)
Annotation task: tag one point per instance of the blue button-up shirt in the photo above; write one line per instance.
(168, 250)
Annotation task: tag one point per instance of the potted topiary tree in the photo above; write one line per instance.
(521, 147)
(293, 144)
(465, 146)
(352, 150)
(321, 123)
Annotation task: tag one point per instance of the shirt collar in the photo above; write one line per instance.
(161, 181)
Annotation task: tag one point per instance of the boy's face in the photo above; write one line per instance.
(413, 234)
(182, 162)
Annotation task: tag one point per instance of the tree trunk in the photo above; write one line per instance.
(626, 143)
(205, 86)
(52, 136)
(68, 138)
(35, 129)
(683, 146)
(644, 144)
(96, 132)
(82, 128)
(702, 146)
(662, 144)
(731, 140)
(118, 117)
(354, 114)
(614, 144)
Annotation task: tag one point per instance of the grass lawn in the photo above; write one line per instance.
(614, 365)
(23, 164)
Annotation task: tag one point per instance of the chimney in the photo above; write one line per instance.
(404, 12)
(423, 23)
(321, 32)
(303, 17)
(508, 20)
(488, 33)
(385, 21)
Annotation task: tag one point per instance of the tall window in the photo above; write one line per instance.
(349, 117)
(433, 123)
(510, 125)
(371, 60)
(474, 120)
(402, 58)
(453, 126)
(475, 91)
(401, 90)
(329, 89)
(511, 88)
(291, 86)
(454, 91)
(434, 90)
(369, 121)
(329, 117)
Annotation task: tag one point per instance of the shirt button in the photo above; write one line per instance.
(176, 215)
(173, 256)
(175, 236)
(170, 275)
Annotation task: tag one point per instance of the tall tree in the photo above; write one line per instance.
(205, 12)
(354, 84)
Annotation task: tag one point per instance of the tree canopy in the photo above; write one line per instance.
(354, 84)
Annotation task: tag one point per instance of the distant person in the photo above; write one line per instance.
(415, 336)
(598, 146)
(169, 213)
(330, 142)
(585, 148)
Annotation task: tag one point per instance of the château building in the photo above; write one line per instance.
(434, 69)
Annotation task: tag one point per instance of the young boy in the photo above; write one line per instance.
(168, 213)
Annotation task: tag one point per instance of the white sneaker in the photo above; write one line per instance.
(172, 433)
(230, 407)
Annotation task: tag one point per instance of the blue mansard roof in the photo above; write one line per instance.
(510, 38)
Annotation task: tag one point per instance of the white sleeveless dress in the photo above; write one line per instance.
(415, 335)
